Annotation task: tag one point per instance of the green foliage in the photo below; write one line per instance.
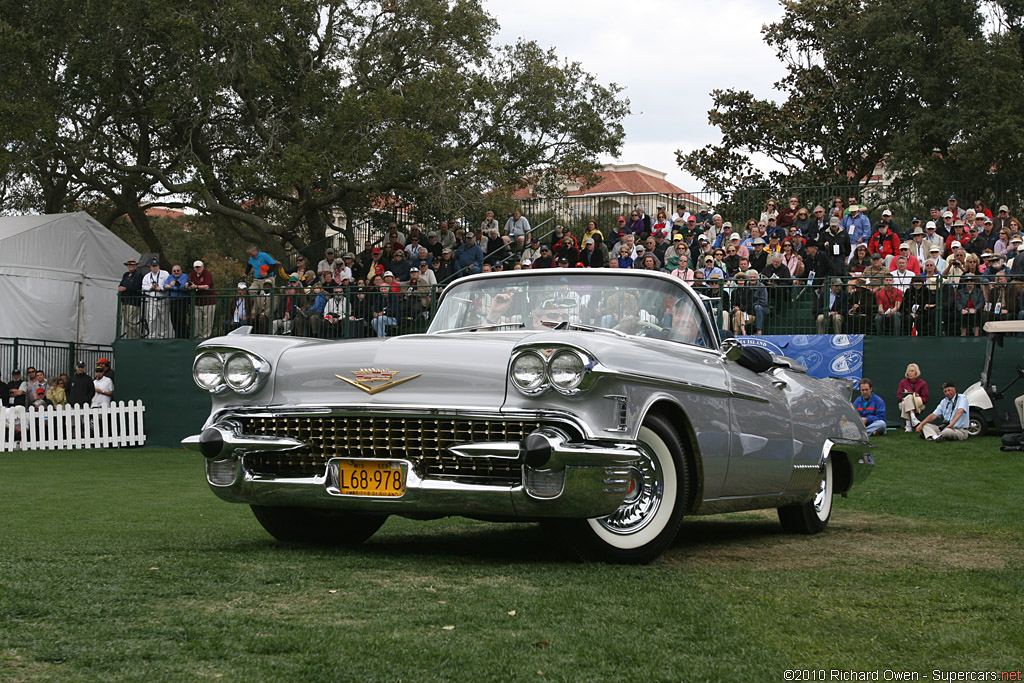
(272, 115)
(917, 83)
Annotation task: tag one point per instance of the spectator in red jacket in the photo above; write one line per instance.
(885, 242)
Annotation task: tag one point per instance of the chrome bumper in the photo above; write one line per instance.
(559, 478)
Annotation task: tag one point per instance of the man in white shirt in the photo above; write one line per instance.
(104, 387)
(901, 277)
(157, 309)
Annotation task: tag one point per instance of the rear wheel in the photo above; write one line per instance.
(316, 526)
(810, 517)
(978, 425)
(650, 517)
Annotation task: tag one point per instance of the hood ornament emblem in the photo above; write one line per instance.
(365, 377)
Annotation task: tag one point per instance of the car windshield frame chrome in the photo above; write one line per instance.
(638, 281)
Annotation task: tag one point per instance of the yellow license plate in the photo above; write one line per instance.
(370, 478)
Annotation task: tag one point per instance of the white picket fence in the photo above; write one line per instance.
(59, 427)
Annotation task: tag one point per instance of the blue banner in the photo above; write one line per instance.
(824, 355)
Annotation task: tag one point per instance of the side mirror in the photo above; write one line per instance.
(732, 349)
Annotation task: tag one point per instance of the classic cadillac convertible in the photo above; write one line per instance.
(603, 404)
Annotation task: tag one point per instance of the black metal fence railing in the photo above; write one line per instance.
(859, 304)
(919, 306)
(53, 358)
(340, 313)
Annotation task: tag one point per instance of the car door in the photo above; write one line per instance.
(761, 454)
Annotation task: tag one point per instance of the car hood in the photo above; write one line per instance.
(442, 371)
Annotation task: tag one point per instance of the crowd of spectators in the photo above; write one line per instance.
(34, 390)
(952, 271)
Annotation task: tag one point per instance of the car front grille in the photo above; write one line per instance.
(425, 442)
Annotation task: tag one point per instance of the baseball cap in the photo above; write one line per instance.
(621, 219)
(79, 364)
(758, 240)
(545, 247)
(915, 219)
(955, 244)
(197, 264)
(293, 278)
(329, 250)
(930, 225)
(935, 247)
(987, 220)
(677, 237)
(349, 255)
(103, 360)
(952, 196)
(241, 285)
(876, 255)
(1005, 208)
(947, 214)
(388, 272)
(590, 240)
(563, 260)
(527, 263)
(726, 224)
(833, 221)
(734, 237)
(376, 250)
(1017, 238)
(709, 259)
(887, 212)
(446, 250)
(40, 390)
(154, 262)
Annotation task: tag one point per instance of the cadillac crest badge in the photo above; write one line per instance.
(365, 377)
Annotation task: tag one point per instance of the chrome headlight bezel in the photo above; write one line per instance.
(542, 378)
(253, 381)
(251, 372)
(217, 385)
(572, 356)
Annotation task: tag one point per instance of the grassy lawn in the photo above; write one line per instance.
(122, 565)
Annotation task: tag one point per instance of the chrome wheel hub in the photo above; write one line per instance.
(646, 489)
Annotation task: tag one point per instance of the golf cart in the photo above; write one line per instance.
(992, 406)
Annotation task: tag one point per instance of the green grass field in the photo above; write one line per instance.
(122, 565)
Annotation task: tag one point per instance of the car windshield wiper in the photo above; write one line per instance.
(566, 325)
(488, 326)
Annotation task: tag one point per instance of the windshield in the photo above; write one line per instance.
(636, 306)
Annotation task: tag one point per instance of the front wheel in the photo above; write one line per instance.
(649, 518)
(811, 517)
(316, 526)
(978, 425)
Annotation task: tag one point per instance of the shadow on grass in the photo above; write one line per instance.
(502, 543)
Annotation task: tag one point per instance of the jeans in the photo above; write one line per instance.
(760, 311)
(876, 427)
(380, 323)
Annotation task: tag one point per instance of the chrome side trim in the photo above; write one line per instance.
(678, 385)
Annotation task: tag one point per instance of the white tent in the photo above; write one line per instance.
(58, 278)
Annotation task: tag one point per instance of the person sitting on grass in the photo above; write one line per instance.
(952, 415)
(871, 408)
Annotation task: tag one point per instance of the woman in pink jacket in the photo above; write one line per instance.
(912, 396)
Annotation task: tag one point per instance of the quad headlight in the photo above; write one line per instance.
(534, 371)
(528, 372)
(240, 371)
(207, 371)
(566, 369)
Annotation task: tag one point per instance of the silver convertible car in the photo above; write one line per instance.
(604, 404)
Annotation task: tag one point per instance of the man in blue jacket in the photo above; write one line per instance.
(857, 225)
(871, 408)
(469, 258)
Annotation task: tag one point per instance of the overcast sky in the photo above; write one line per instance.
(667, 54)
